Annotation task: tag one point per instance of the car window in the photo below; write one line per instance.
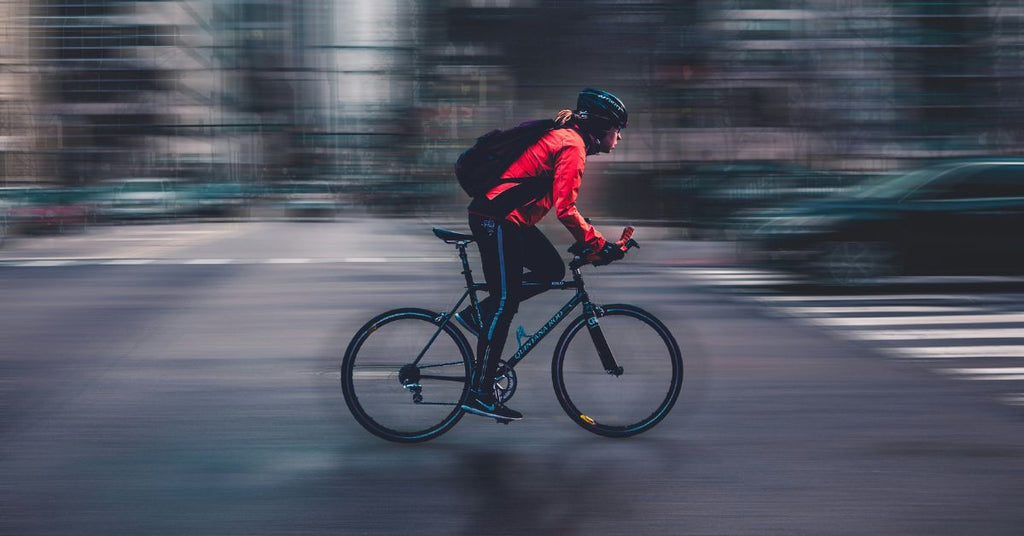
(948, 185)
(897, 186)
(990, 181)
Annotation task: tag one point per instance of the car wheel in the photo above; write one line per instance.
(858, 262)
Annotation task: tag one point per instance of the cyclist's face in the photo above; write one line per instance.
(610, 140)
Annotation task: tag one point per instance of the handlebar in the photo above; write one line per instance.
(580, 258)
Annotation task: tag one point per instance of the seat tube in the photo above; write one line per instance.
(468, 274)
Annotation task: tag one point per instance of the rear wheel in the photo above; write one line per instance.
(640, 394)
(391, 393)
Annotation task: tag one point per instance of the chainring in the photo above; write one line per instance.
(504, 382)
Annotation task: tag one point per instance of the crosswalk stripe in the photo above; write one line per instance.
(985, 370)
(995, 318)
(997, 377)
(931, 334)
(1014, 399)
(957, 352)
(818, 310)
(987, 374)
(857, 297)
(906, 326)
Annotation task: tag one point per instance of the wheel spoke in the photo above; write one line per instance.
(385, 387)
(626, 404)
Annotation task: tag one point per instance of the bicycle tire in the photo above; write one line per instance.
(377, 377)
(585, 389)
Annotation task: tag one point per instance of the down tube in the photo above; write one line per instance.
(545, 329)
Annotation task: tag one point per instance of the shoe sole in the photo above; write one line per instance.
(483, 413)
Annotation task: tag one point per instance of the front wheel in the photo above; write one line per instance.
(637, 396)
(404, 377)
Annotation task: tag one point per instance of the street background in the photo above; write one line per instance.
(201, 201)
(172, 379)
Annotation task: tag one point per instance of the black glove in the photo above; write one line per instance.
(610, 252)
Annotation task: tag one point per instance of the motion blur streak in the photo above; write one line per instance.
(367, 102)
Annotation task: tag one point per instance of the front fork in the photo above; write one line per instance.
(592, 313)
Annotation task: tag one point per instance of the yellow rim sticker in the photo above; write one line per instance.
(587, 420)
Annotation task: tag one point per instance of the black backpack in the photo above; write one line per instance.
(480, 167)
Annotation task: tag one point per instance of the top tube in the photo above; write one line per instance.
(551, 285)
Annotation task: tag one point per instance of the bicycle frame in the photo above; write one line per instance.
(591, 311)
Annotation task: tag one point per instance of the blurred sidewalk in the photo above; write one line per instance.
(322, 241)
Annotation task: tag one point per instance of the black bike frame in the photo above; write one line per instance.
(591, 311)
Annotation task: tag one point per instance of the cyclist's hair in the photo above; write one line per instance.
(564, 117)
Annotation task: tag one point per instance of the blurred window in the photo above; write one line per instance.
(982, 182)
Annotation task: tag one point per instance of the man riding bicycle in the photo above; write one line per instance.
(548, 175)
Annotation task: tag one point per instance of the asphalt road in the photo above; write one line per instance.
(183, 379)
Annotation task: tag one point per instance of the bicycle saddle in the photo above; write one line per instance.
(451, 237)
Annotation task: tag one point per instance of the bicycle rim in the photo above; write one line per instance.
(636, 400)
(382, 387)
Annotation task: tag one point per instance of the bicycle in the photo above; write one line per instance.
(405, 373)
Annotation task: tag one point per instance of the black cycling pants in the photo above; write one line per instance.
(506, 250)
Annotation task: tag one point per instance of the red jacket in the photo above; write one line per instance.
(561, 153)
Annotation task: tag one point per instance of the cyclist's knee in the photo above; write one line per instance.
(507, 310)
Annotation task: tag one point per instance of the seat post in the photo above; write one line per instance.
(465, 263)
(468, 273)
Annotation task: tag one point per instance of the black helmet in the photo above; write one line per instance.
(602, 109)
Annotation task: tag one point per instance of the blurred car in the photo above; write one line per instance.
(305, 199)
(219, 198)
(34, 210)
(960, 218)
(145, 198)
(712, 197)
(4, 208)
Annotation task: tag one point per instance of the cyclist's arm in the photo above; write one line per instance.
(569, 165)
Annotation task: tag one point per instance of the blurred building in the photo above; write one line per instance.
(19, 82)
(378, 97)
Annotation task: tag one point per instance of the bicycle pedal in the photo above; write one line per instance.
(503, 421)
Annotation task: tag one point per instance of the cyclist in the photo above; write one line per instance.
(503, 224)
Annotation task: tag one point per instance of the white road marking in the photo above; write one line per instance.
(127, 262)
(730, 278)
(49, 263)
(1014, 399)
(958, 352)
(994, 318)
(991, 374)
(898, 320)
(374, 374)
(821, 310)
(985, 370)
(931, 334)
(858, 297)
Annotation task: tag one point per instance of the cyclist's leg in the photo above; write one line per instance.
(542, 260)
(540, 257)
(500, 247)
